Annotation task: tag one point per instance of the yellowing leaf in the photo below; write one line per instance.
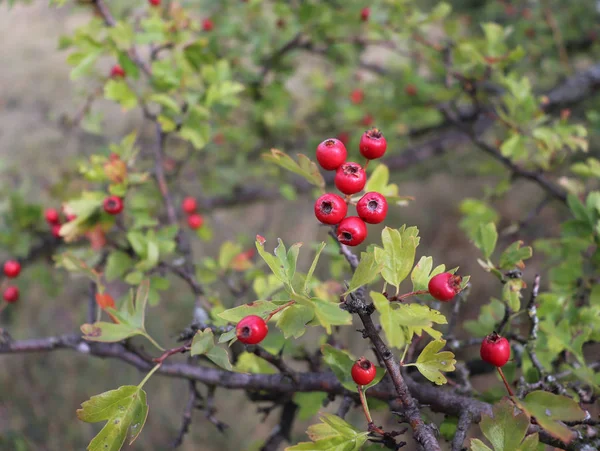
(431, 362)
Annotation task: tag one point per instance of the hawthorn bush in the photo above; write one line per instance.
(331, 103)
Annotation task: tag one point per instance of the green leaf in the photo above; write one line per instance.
(309, 403)
(367, 270)
(196, 136)
(341, 363)
(511, 293)
(489, 315)
(514, 255)
(486, 238)
(333, 434)
(124, 410)
(550, 411)
(478, 445)
(227, 253)
(303, 167)
(273, 262)
(119, 91)
(397, 254)
(330, 314)
(259, 308)
(248, 362)
(204, 344)
(506, 428)
(396, 336)
(165, 101)
(75, 265)
(293, 319)
(431, 362)
(313, 266)
(422, 273)
(131, 319)
(117, 264)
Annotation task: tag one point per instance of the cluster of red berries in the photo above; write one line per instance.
(495, 350)
(350, 178)
(190, 208)
(113, 205)
(52, 217)
(12, 269)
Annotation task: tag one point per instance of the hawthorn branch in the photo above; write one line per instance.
(464, 423)
(187, 416)
(283, 429)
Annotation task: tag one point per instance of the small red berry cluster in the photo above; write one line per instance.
(12, 269)
(53, 219)
(350, 178)
(190, 208)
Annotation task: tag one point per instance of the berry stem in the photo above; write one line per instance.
(169, 352)
(508, 389)
(406, 295)
(366, 164)
(279, 309)
(363, 401)
(348, 198)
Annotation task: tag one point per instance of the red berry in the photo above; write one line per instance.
(330, 209)
(350, 178)
(444, 286)
(12, 268)
(189, 205)
(364, 14)
(113, 205)
(251, 330)
(71, 217)
(11, 294)
(52, 216)
(495, 350)
(195, 221)
(331, 154)
(372, 144)
(367, 120)
(56, 230)
(352, 231)
(357, 96)
(410, 90)
(363, 371)
(207, 25)
(372, 208)
(154, 2)
(117, 72)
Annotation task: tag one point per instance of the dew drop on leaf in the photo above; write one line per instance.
(548, 412)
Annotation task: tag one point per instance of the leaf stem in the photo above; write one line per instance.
(149, 375)
(169, 352)
(508, 389)
(363, 401)
(279, 309)
(406, 295)
(151, 340)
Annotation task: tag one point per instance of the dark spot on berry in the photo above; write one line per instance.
(372, 205)
(327, 207)
(346, 236)
(245, 332)
(374, 133)
(330, 143)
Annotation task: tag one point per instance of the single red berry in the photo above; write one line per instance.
(367, 120)
(495, 350)
(11, 294)
(251, 330)
(195, 221)
(350, 178)
(410, 90)
(372, 144)
(352, 231)
(364, 14)
(357, 96)
(113, 205)
(344, 137)
(52, 216)
(71, 217)
(363, 371)
(56, 230)
(12, 268)
(207, 25)
(189, 205)
(444, 286)
(372, 208)
(117, 72)
(331, 154)
(330, 209)
(154, 2)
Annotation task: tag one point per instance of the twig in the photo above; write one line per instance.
(344, 406)
(283, 429)
(187, 416)
(464, 422)
(169, 352)
(274, 360)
